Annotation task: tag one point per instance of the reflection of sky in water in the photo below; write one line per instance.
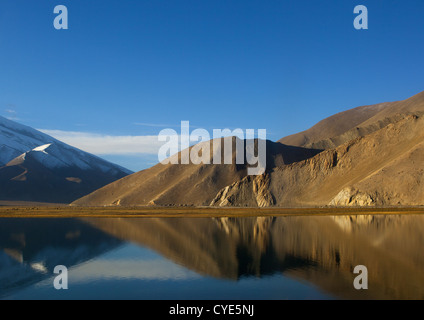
(133, 272)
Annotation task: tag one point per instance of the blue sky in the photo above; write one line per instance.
(126, 69)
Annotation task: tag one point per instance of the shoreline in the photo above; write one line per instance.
(192, 212)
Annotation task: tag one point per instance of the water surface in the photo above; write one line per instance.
(305, 257)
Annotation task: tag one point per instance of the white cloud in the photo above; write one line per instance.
(106, 144)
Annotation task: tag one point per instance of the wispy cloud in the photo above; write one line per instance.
(100, 144)
(161, 125)
(154, 125)
(11, 113)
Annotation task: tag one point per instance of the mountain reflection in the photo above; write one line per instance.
(322, 250)
(31, 248)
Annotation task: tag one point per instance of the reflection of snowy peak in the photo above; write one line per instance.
(30, 250)
(37, 167)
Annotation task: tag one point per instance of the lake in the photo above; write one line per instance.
(263, 258)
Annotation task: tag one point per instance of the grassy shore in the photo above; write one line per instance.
(200, 212)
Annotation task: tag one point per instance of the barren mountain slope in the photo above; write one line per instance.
(333, 126)
(179, 184)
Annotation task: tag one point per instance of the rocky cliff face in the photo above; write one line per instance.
(352, 197)
(251, 191)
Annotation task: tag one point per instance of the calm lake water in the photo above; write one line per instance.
(305, 257)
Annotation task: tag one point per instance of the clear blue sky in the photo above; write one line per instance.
(131, 68)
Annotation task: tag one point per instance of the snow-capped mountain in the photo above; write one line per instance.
(37, 167)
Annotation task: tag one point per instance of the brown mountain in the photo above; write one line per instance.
(369, 155)
(191, 184)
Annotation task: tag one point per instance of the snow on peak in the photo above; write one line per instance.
(16, 139)
(42, 148)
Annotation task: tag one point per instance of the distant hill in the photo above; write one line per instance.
(37, 167)
(358, 122)
(328, 133)
(366, 156)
